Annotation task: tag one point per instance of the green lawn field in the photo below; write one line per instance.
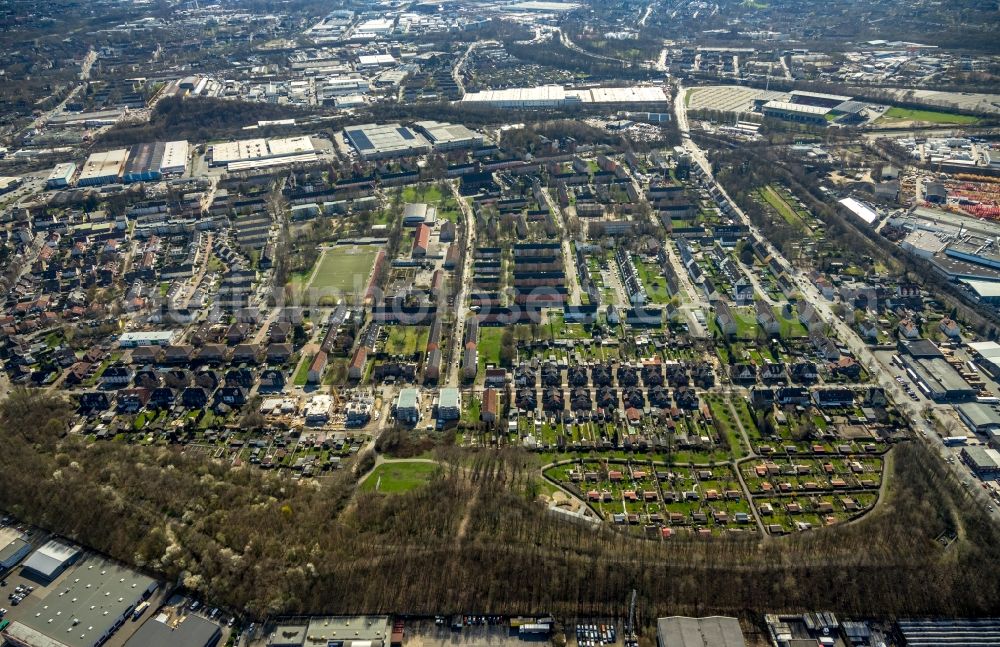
(394, 478)
(489, 346)
(931, 116)
(653, 280)
(406, 340)
(345, 268)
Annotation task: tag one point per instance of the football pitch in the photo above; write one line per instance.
(344, 269)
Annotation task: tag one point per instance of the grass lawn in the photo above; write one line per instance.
(789, 327)
(406, 340)
(428, 193)
(559, 329)
(783, 208)
(746, 322)
(447, 206)
(302, 373)
(472, 410)
(931, 116)
(653, 280)
(489, 346)
(394, 478)
(345, 268)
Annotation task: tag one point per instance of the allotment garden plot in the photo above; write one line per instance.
(800, 493)
(664, 500)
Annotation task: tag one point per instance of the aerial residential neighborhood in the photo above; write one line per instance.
(410, 324)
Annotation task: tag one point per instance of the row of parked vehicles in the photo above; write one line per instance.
(595, 635)
(22, 591)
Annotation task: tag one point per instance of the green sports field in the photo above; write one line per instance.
(930, 116)
(345, 268)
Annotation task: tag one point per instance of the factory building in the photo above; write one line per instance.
(143, 164)
(446, 137)
(860, 210)
(175, 158)
(343, 631)
(188, 631)
(714, 631)
(95, 599)
(976, 249)
(61, 176)
(50, 560)
(979, 417)
(150, 161)
(984, 461)
(261, 153)
(799, 113)
(384, 141)
(104, 168)
(987, 355)
(639, 94)
(551, 96)
(544, 96)
(14, 547)
(985, 291)
(938, 380)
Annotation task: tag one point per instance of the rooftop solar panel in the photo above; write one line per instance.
(361, 140)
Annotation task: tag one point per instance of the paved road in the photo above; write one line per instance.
(461, 309)
(646, 14)
(573, 280)
(456, 71)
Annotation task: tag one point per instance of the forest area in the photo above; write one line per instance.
(474, 538)
(202, 119)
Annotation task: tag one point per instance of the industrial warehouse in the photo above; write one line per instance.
(250, 154)
(151, 161)
(147, 162)
(103, 168)
(375, 141)
(89, 605)
(552, 96)
(445, 137)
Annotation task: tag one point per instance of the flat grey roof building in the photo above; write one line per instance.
(287, 636)
(985, 461)
(13, 547)
(84, 609)
(379, 141)
(349, 629)
(444, 136)
(190, 631)
(51, 559)
(979, 416)
(939, 380)
(714, 631)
